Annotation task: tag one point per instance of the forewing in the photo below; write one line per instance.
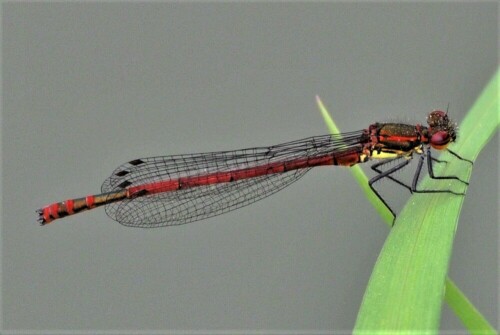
(192, 204)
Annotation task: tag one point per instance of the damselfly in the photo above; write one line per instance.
(178, 189)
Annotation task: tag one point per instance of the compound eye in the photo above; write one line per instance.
(440, 140)
(437, 118)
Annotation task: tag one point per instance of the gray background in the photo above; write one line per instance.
(87, 87)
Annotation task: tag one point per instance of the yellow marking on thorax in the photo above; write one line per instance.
(391, 153)
(385, 155)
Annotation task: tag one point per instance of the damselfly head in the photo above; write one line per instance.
(442, 130)
(437, 119)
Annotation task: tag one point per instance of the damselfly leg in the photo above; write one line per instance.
(173, 190)
(413, 188)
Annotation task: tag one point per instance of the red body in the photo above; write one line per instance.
(158, 178)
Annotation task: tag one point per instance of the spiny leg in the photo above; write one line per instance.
(375, 167)
(431, 174)
(385, 174)
(459, 157)
(439, 160)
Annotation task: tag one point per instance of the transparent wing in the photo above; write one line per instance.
(193, 204)
(196, 203)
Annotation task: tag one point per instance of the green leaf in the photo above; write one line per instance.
(357, 172)
(407, 285)
(465, 310)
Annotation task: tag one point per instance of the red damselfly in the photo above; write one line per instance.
(178, 189)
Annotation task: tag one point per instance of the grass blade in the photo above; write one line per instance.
(357, 172)
(407, 285)
(472, 319)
